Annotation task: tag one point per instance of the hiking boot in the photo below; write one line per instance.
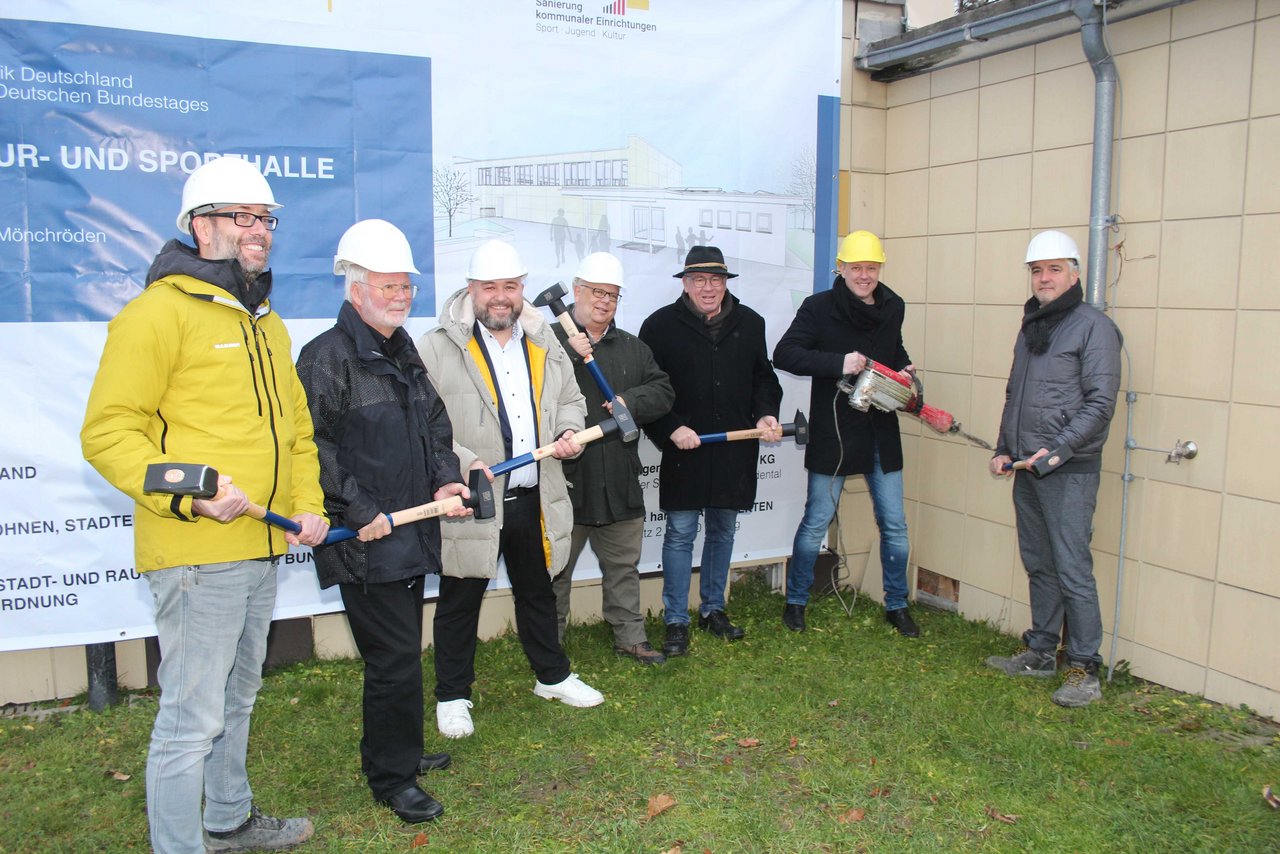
(1080, 687)
(900, 619)
(572, 692)
(717, 622)
(1025, 662)
(677, 641)
(793, 617)
(641, 652)
(260, 833)
(453, 718)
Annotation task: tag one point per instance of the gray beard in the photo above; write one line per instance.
(493, 324)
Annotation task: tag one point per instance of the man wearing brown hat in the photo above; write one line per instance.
(713, 349)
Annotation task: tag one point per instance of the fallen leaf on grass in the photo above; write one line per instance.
(878, 792)
(658, 804)
(293, 701)
(833, 703)
(999, 816)
(119, 775)
(748, 742)
(419, 841)
(1269, 797)
(675, 849)
(855, 814)
(793, 743)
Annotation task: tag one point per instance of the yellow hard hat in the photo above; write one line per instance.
(860, 246)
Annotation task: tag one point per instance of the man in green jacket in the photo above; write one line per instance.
(197, 369)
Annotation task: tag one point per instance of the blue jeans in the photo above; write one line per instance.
(212, 621)
(821, 502)
(677, 561)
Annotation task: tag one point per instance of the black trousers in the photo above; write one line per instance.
(458, 608)
(386, 621)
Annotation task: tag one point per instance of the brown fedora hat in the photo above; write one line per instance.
(705, 259)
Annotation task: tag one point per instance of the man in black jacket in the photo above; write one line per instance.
(834, 333)
(604, 485)
(1061, 396)
(385, 444)
(713, 349)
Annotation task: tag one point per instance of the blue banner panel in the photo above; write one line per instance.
(100, 127)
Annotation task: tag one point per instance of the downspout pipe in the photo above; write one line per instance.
(1106, 84)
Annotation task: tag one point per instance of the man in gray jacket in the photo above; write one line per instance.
(509, 388)
(1060, 399)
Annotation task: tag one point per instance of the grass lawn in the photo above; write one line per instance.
(844, 738)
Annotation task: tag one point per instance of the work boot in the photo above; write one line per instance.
(677, 641)
(641, 652)
(717, 622)
(900, 619)
(793, 617)
(260, 833)
(1080, 687)
(1025, 662)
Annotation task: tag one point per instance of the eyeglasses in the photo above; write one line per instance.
(601, 293)
(706, 282)
(394, 290)
(244, 219)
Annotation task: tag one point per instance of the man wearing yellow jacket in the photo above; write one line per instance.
(197, 369)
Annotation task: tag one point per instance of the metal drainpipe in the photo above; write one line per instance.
(1104, 122)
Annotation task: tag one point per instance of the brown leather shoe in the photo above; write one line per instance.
(641, 652)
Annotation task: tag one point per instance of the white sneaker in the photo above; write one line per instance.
(572, 691)
(453, 718)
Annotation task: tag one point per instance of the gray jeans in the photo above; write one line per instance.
(1055, 524)
(617, 547)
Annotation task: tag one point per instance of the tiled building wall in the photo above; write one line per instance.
(957, 169)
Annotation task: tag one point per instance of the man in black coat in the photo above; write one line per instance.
(833, 334)
(385, 444)
(713, 349)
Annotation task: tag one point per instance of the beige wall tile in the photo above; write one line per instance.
(1262, 184)
(1004, 193)
(1106, 519)
(1167, 598)
(131, 664)
(1007, 66)
(1190, 349)
(952, 198)
(950, 338)
(866, 200)
(1191, 277)
(1268, 8)
(1265, 91)
(906, 206)
(1205, 16)
(70, 673)
(994, 328)
(1138, 174)
(857, 87)
(987, 396)
(1138, 325)
(1005, 113)
(1183, 418)
(866, 135)
(955, 79)
(978, 604)
(332, 638)
(1247, 545)
(1180, 528)
(1064, 107)
(1196, 98)
(907, 91)
(1254, 377)
(1140, 272)
(953, 128)
(1252, 467)
(937, 539)
(1238, 692)
(1144, 90)
(942, 466)
(1192, 189)
(1136, 33)
(1060, 187)
(1059, 53)
(1259, 273)
(1246, 636)
(497, 612)
(906, 271)
(951, 268)
(1001, 275)
(1113, 449)
(907, 133)
(988, 556)
(1177, 673)
(26, 676)
(985, 496)
(1104, 574)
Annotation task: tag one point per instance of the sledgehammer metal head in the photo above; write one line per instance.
(552, 298)
(798, 428)
(1047, 464)
(198, 481)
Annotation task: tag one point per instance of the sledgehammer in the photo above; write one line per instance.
(582, 437)
(798, 428)
(200, 481)
(1046, 465)
(481, 501)
(553, 298)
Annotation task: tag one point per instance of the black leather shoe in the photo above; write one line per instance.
(717, 622)
(677, 642)
(434, 762)
(793, 617)
(901, 620)
(414, 805)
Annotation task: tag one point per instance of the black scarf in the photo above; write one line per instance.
(1039, 321)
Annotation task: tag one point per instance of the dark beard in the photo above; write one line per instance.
(488, 321)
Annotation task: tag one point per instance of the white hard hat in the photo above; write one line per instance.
(1048, 245)
(600, 268)
(223, 182)
(376, 245)
(495, 259)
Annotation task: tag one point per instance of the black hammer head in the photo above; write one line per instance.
(798, 428)
(1051, 461)
(481, 500)
(192, 479)
(626, 424)
(552, 298)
